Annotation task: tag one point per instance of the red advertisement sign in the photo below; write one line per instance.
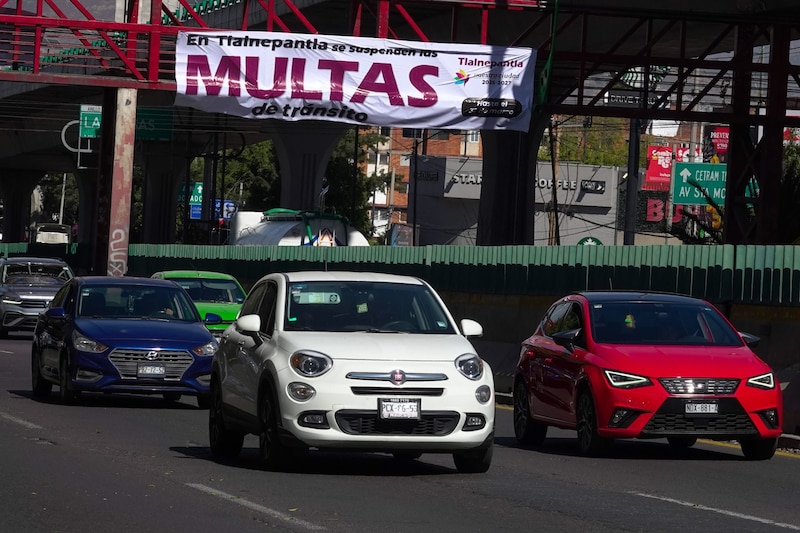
(659, 168)
(716, 142)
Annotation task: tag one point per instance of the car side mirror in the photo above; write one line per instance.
(248, 323)
(213, 318)
(750, 339)
(470, 328)
(566, 338)
(55, 312)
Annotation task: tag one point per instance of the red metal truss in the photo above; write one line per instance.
(49, 44)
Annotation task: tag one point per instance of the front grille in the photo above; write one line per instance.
(705, 386)
(388, 391)
(671, 419)
(127, 362)
(431, 423)
(34, 304)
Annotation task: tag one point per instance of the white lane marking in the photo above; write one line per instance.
(25, 423)
(720, 511)
(256, 507)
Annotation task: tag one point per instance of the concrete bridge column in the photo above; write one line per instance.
(505, 214)
(163, 174)
(16, 188)
(303, 150)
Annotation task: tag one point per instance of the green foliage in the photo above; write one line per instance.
(604, 143)
(51, 187)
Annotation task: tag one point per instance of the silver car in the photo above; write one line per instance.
(27, 284)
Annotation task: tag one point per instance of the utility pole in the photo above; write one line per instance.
(553, 237)
(632, 182)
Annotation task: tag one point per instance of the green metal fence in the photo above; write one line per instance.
(767, 275)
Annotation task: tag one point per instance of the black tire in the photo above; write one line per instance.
(274, 454)
(171, 396)
(589, 442)
(681, 443)
(40, 387)
(224, 442)
(528, 431)
(66, 394)
(476, 462)
(758, 449)
(204, 402)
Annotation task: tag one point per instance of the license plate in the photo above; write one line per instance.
(702, 408)
(151, 370)
(402, 408)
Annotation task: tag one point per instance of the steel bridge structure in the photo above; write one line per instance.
(726, 62)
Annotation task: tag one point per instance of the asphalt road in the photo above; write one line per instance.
(139, 464)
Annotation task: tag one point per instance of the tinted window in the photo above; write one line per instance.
(212, 290)
(135, 302)
(253, 300)
(661, 323)
(364, 306)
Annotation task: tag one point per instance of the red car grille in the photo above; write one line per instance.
(436, 424)
(671, 420)
(704, 386)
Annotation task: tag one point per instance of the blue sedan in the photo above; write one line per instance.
(122, 335)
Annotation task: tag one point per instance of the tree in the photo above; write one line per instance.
(51, 186)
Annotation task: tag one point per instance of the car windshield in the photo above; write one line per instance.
(37, 270)
(212, 290)
(364, 306)
(35, 280)
(638, 322)
(136, 302)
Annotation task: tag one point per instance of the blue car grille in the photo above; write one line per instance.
(127, 362)
(704, 386)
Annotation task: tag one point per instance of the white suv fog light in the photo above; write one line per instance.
(302, 392)
(474, 421)
(483, 393)
(314, 419)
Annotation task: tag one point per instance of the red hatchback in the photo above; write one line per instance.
(644, 365)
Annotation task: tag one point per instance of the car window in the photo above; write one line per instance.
(661, 323)
(60, 297)
(364, 306)
(550, 322)
(267, 309)
(253, 300)
(141, 302)
(212, 290)
(33, 272)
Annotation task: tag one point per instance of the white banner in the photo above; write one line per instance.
(355, 80)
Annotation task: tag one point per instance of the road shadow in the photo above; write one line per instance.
(329, 463)
(632, 449)
(119, 400)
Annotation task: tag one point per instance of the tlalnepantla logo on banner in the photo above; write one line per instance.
(356, 80)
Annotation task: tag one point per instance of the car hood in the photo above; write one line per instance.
(674, 361)
(151, 332)
(227, 311)
(379, 346)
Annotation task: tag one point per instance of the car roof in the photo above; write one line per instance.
(41, 260)
(199, 274)
(375, 277)
(637, 296)
(123, 281)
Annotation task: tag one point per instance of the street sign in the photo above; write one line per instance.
(152, 124)
(688, 177)
(90, 118)
(196, 197)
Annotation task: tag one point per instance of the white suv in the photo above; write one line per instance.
(355, 361)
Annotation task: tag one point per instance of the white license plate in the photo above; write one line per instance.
(697, 408)
(402, 408)
(151, 370)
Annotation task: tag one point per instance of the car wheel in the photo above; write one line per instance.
(589, 442)
(273, 453)
(40, 387)
(528, 431)
(172, 396)
(224, 443)
(476, 462)
(758, 449)
(66, 393)
(681, 442)
(203, 402)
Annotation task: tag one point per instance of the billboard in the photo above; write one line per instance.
(355, 80)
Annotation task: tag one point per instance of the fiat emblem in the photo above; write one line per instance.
(398, 377)
(152, 355)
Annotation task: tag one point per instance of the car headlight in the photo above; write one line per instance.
(206, 350)
(12, 298)
(310, 364)
(470, 365)
(764, 381)
(626, 381)
(85, 344)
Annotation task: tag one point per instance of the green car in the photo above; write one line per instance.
(212, 292)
